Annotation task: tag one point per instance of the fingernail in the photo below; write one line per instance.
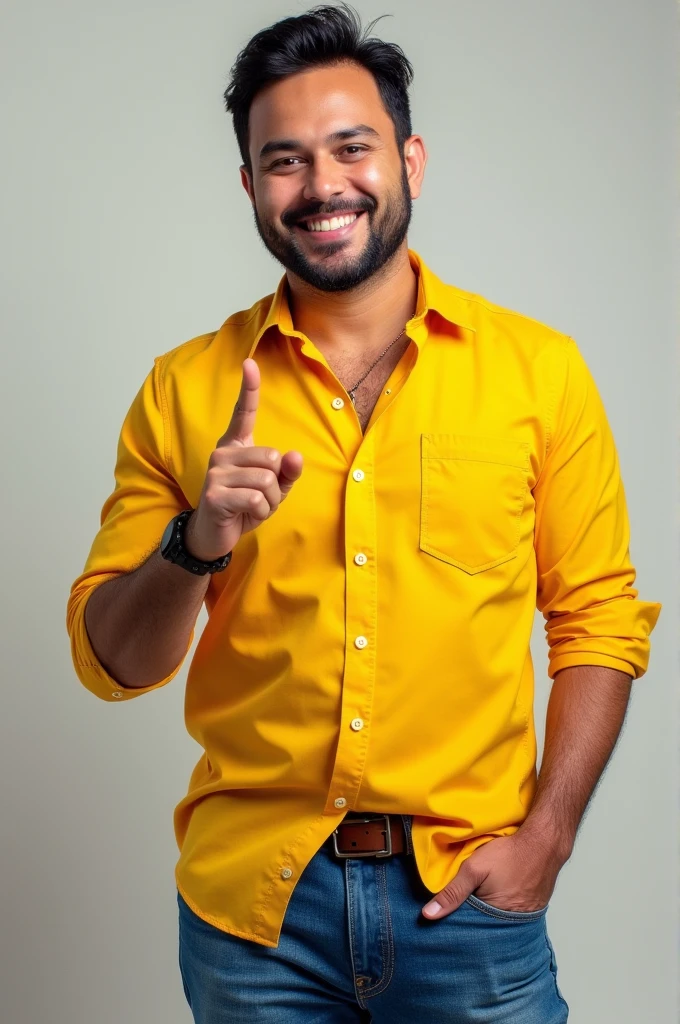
(432, 908)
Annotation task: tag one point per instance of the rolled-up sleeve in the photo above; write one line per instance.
(133, 518)
(592, 612)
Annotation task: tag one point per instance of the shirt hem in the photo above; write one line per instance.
(220, 925)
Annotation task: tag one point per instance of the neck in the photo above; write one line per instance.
(364, 318)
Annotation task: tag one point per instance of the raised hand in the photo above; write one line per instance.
(245, 483)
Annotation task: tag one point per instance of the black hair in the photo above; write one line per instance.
(324, 35)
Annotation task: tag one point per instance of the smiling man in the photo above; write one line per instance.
(344, 231)
(372, 478)
(331, 174)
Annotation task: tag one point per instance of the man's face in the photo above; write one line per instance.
(331, 190)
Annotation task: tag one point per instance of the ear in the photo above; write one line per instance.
(247, 182)
(415, 158)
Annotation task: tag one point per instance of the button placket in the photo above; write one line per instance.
(360, 624)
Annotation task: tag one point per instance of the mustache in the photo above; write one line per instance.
(292, 216)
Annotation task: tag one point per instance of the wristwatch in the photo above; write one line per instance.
(173, 550)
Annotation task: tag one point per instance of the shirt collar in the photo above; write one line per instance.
(433, 294)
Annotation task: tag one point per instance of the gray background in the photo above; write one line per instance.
(550, 128)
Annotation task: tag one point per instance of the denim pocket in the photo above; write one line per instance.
(508, 915)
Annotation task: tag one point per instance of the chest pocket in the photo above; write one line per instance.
(472, 497)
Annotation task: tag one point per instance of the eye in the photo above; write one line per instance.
(354, 150)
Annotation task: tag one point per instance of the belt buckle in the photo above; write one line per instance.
(387, 852)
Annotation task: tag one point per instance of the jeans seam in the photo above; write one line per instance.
(350, 928)
(553, 971)
(508, 915)
(388, 948)
(182, 974)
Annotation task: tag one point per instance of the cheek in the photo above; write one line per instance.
(371, 179)
(273, 197)
(379, 178)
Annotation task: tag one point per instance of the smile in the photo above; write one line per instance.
(330, 227)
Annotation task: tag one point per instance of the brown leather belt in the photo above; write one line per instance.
(368, 836)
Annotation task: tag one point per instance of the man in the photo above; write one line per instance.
(372, 479)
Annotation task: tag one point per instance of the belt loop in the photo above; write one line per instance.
(408, 822)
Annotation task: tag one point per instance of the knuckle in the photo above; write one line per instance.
(450, 894)
(218, 458)
(260, 509)
(213, 478)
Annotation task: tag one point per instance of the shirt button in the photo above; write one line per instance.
(337, 403)
(286, 873)
(360, 559)
(116, 693)
(358, 474)
(356, 724)
(340, 802)
(360, 641)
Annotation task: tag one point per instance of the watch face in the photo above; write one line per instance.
(167, 535)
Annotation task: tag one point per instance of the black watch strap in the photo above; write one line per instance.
(173, 550)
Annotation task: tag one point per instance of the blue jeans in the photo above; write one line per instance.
(354, 946)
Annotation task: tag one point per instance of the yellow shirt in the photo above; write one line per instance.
(368, 646)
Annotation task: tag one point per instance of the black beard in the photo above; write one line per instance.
(384, 238)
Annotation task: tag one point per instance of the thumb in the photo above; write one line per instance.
(456, 891)
(291, 469)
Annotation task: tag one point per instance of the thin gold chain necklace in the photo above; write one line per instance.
(352, 391)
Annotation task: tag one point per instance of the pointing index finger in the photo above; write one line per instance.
(242, 422)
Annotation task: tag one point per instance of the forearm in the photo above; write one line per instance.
(586, 710)
(139, 624)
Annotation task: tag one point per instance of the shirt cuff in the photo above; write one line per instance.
(561, 661)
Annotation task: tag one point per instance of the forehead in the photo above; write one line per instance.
(312, 104)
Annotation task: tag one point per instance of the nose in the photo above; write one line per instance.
(324, 179)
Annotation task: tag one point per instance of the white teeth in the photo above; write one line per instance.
(331, 225)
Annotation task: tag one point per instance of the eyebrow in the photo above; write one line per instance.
(286, 145)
